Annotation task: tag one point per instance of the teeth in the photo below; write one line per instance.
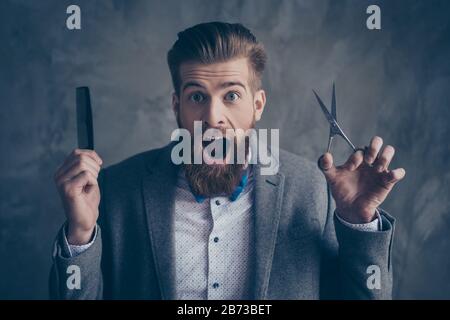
(212, 138)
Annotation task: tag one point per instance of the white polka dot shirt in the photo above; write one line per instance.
(213, 244)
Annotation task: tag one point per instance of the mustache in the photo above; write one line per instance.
(222, 143)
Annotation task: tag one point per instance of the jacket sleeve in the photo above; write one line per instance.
(356, 264)
(78, 277)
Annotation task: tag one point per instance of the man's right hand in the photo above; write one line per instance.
(76, 180)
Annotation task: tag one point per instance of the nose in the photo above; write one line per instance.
(214, 114)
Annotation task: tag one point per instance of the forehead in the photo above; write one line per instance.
(233, 70)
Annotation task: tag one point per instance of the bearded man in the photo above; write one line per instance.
(220, 229)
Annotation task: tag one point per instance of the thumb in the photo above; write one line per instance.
(325, 164)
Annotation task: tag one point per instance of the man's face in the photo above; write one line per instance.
(220, 95)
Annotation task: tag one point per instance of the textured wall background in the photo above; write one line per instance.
(394, 82)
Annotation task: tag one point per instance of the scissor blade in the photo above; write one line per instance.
(342, 134)
(333, 103)
(334, 126)
(325, 111)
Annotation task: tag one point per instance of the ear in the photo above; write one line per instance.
(175, 104)
(259, 102)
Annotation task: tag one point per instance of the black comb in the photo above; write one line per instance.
(84, 119)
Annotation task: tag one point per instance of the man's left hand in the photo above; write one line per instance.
(363, 182)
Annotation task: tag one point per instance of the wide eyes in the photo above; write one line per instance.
(197, 97)
(232, 96)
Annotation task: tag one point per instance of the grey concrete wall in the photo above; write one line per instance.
(394, 82)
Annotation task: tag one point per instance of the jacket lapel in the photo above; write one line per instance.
(267, 208)
(158, 188)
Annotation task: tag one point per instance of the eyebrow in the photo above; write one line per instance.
(192, 84)
(232, 83)
(222, 85)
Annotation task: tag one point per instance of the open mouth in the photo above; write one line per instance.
(210, 150)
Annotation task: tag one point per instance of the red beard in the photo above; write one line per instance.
(210, 180)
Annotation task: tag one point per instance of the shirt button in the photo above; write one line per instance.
(216, 239)
(215, 285)
(218, 202)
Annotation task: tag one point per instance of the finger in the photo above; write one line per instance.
(385, 158)
(394, 176)
(83, 180)
(90, 153)
(76, 153)
(76, 169)
(85, 159)
(354, 161)
(325, 163)
(372, 151)
(64, 165)
(81, 159)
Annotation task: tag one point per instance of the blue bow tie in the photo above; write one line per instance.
(234, 195)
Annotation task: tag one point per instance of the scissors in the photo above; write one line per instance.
(335, 129)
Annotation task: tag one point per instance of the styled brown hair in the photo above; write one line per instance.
(214, 42)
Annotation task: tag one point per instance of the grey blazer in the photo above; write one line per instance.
(302, 250)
